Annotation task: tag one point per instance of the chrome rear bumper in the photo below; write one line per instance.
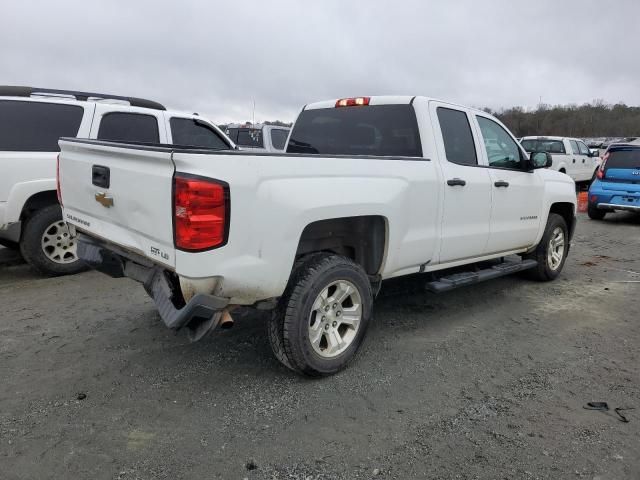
(615, 206)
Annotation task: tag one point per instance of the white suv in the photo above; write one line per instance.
(31, 122)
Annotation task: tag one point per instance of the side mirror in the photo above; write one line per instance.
(541, 160)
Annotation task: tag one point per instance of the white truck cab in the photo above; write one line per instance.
(31, 122)
(570, 155)
(369, 188)
(258, 137)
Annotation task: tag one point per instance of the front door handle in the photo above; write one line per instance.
(501, 183)
(456, 181)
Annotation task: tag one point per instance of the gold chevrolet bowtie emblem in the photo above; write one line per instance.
(103, 200)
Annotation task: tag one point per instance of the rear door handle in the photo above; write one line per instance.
(501, 183)
(456, 181)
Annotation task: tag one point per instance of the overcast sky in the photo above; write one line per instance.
(216, 58)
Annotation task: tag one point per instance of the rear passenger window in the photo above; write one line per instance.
(457, 137)
(279, 138)
(129, 127)
(36, 126)
(189, 132)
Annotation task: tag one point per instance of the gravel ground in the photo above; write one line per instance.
(484, 382)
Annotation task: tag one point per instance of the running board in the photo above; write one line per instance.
(462, 279)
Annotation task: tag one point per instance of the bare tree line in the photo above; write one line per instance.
(596, 119)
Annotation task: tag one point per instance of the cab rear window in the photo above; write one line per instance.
(376, 130)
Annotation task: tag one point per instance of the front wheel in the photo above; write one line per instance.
(551, 252)
(323, 316)
(47, 245)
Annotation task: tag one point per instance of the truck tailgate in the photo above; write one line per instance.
(120, 193)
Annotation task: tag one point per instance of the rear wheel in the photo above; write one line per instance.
(323, 316)
(47, 244)
(595, 213)
(551, 252)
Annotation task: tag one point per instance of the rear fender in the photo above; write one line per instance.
(20, 194)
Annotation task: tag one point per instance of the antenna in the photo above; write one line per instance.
(253, 114)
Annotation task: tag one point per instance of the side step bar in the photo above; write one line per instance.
(462, 279)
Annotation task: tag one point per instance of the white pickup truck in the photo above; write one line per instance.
(370, 188)
(258, 138)
(569, 155)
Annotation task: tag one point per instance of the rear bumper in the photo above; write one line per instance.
(611, 199)
(615, 206)
(199, 315)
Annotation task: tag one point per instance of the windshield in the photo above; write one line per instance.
(378, 130)
(543, 145)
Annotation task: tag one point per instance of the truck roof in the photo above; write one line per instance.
(546, 137)
(384, 100)
(22, 91)
(44, 98)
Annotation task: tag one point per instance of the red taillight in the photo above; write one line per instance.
(600, 173)
(353, 102)
(201, 210)
(58, 191)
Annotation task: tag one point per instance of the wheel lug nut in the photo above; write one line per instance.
(338, 313)
(326, 309)
(326, 326)
(334, 323)
(335, 305)
(324, 318)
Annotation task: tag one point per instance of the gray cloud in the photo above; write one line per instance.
(216, 58)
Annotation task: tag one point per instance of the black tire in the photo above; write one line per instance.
(545, 272)
(289, 326)
(32, 249)
(595, 213)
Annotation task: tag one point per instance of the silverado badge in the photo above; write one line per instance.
(103, 200)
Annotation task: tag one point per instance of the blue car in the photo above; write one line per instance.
(617, 182)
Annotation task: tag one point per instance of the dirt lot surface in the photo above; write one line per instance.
(484, 382)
